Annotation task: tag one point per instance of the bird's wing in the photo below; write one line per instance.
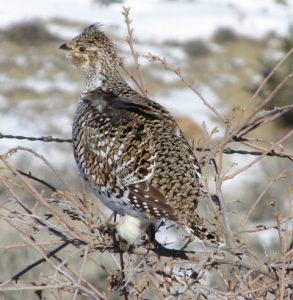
(134, 169)
(122, 105)
(131, 155)
(147, 198)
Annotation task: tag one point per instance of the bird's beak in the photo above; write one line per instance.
(64, 47)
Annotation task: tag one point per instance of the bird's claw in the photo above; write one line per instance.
(110, 229)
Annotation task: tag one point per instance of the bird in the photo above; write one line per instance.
(128, 148)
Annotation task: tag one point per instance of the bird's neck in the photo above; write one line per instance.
(93, 82)
(113, 83)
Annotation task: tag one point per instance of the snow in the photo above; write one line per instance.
(40, 85)
(161, 20)
(24, 124)
(185, 103)
(46, 85)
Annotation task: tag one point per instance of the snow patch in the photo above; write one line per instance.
(185, 103)
(152, 21)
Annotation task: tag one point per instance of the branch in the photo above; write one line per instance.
(260, 120)
(268, 78)
(128, 21)
(215, 257)
(30, 176)
(39, 198)
(38, 262)
(177, 71)
(258, 158)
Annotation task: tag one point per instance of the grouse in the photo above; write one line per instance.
(128, 148)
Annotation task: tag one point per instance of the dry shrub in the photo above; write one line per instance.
(28, 33)
(196, 47)
(225, 35)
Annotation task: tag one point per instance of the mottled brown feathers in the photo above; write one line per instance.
(128, 148)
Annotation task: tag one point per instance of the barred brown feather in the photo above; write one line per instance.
(129, 149)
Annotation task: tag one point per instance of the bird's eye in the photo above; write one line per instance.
(82, 49)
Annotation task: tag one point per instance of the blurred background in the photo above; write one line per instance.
(224, 47)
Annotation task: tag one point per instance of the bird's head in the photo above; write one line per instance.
(92, 52)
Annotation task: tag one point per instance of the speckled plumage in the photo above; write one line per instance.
(129, 149)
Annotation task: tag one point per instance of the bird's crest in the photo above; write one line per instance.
(92, 29)
(93, 35)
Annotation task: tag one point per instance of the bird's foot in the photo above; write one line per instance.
(108, 229)
(151, 232)
(118, 242)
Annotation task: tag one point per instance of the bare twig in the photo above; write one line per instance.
(258, 158)
(256, 202)
(36, 287)
(154, 58)
(273, 93)
(135, 55)
(81, 271)
(35, 193)
(261, 119)
(264, 227)
(268, 77)
(36, 263)
(30, 176)
(41, 157)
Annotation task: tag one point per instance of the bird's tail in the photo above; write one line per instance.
(199, 229)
